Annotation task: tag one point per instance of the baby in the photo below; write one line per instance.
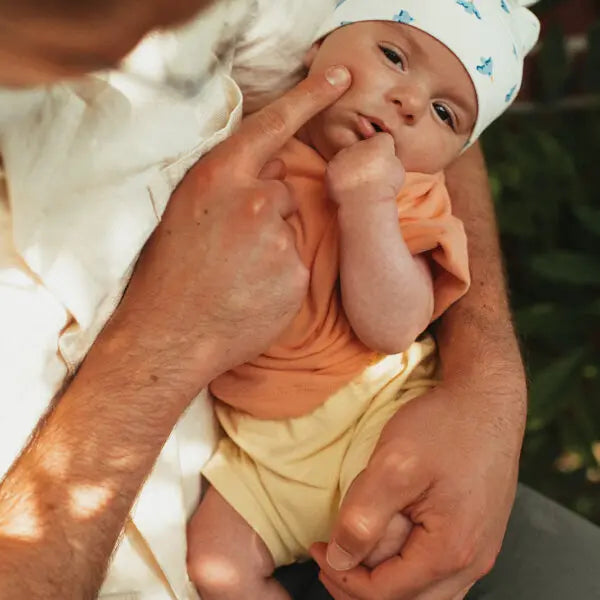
(386, 257)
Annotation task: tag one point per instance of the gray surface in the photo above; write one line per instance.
(549, 553)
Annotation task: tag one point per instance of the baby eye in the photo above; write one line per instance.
(392, 56)
(445, 115)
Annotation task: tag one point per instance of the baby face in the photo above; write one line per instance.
(405, 83)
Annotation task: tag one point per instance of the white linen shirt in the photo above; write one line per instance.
(88, 169)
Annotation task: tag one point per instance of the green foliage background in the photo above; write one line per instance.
(545, 171)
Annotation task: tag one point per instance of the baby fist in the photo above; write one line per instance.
(368, 171)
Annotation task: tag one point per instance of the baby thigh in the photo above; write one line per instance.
(281, 477)
(226, 558)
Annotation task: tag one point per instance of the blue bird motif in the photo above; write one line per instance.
(469, 6)
(486, 67)
(339, 3)
(504, 6)
(511, 93)
(403, 17)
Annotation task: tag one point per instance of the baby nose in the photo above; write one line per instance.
(411, 102)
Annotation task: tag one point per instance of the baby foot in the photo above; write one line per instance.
(391, 543)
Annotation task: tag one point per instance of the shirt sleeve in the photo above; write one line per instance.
(269, 55)
(429, 228)
(31, 369)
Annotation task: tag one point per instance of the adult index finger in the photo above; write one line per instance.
(264, 133)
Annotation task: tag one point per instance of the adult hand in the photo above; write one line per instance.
(220, 278)
(449, 467)
(368, 171)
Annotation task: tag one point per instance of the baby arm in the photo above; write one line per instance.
(387, 293)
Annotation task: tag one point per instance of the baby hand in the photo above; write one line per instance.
(368, 171)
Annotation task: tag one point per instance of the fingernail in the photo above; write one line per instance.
(338, 558)
(337, 76)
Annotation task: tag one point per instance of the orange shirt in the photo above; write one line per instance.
(319, 353)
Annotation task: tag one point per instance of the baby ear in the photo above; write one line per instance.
(310, 56)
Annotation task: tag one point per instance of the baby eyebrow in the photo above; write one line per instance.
(399, 36)
(461, 103)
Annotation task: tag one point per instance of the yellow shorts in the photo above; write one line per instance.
(286, 478)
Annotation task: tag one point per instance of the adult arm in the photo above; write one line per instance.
(223, 238)
(448, 460)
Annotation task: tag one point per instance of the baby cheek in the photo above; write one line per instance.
(449, 150)
(433, 151)
(415, 153)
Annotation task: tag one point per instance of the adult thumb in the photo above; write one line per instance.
(361, 523)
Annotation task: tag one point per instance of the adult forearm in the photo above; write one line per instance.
(64, 502)
(476, 337)
(180, 324)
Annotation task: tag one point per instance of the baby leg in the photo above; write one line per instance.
(227, 560)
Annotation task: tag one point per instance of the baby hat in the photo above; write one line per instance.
(490, 38)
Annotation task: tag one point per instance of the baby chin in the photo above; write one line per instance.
(329, 141)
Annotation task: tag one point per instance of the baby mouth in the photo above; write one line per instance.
(369, 127)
